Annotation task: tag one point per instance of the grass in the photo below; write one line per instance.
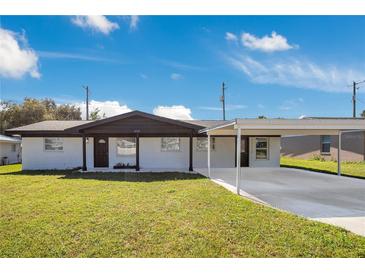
(353, 169)
(65, 214)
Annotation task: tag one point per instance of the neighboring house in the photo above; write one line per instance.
(10, 150)
(140, 140)
(325, 146)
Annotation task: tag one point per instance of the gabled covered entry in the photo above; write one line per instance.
(126, 132)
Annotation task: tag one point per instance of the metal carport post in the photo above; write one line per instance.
(238, 161)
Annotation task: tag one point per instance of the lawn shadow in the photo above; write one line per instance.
(322, 171)
(133, 176)
(112, 176)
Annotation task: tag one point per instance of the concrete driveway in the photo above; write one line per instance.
(323, 197)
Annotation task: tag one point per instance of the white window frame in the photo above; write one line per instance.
(326, 142)
(198, 146)
(263, 149)
(118, 140)
(170, 150)
(58, 140)
(13, 148)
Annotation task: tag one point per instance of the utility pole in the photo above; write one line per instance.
(354, 99)
(223, 100)
(354, 88)
(87, 101)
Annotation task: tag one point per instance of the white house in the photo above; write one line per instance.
(10, 150)
(142, 141)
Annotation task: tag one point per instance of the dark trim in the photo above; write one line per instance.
(256, 135)
(191, 153)
(84, 167)
(137, 152)
(62, 134)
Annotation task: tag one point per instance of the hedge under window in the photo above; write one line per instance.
(53, 144)
(170, 144)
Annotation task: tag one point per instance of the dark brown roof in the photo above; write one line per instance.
(50, 125)
(139, 113)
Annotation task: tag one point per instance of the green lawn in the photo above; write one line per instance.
(65, 214)
(355, 169)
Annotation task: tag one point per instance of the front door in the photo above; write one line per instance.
(244, 151)
(101, 155)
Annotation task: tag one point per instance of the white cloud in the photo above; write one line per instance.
(178, 65)
(176, 76)
(302, 116)
(133, 22)
(97, 23)
(110, 108)
(173, 112)
(75, 56)
(16, 57)
(275, 42)
(231, 37)
(291, 104)
(228, 107)
(298, 73)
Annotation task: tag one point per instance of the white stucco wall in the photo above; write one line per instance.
(222, 156)
(6, 150)
(274, 153)
(151, 155)
(36, 158)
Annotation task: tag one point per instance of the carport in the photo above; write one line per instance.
(327, 198)
(275, 128)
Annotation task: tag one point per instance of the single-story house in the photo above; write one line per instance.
(10, 150)
(325, 146)
(143, 141)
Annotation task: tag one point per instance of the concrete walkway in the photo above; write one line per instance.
(327, 198)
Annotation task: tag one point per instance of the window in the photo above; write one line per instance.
(170, 144)
(202, 144)
(53, 144)
(262, 149)
(325, 144)
(126, 146)
(13, 147)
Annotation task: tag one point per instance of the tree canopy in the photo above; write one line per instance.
(363, 113)
(33, 110)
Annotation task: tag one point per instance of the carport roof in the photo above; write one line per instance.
(338, 124)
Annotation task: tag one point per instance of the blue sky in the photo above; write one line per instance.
(277, 66)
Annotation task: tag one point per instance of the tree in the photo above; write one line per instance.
(34, 110)
(261, 117)
(67, 112)
(363, 113)
(94, 115)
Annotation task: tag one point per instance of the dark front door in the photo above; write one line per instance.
(101, 155)
(244, 151)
